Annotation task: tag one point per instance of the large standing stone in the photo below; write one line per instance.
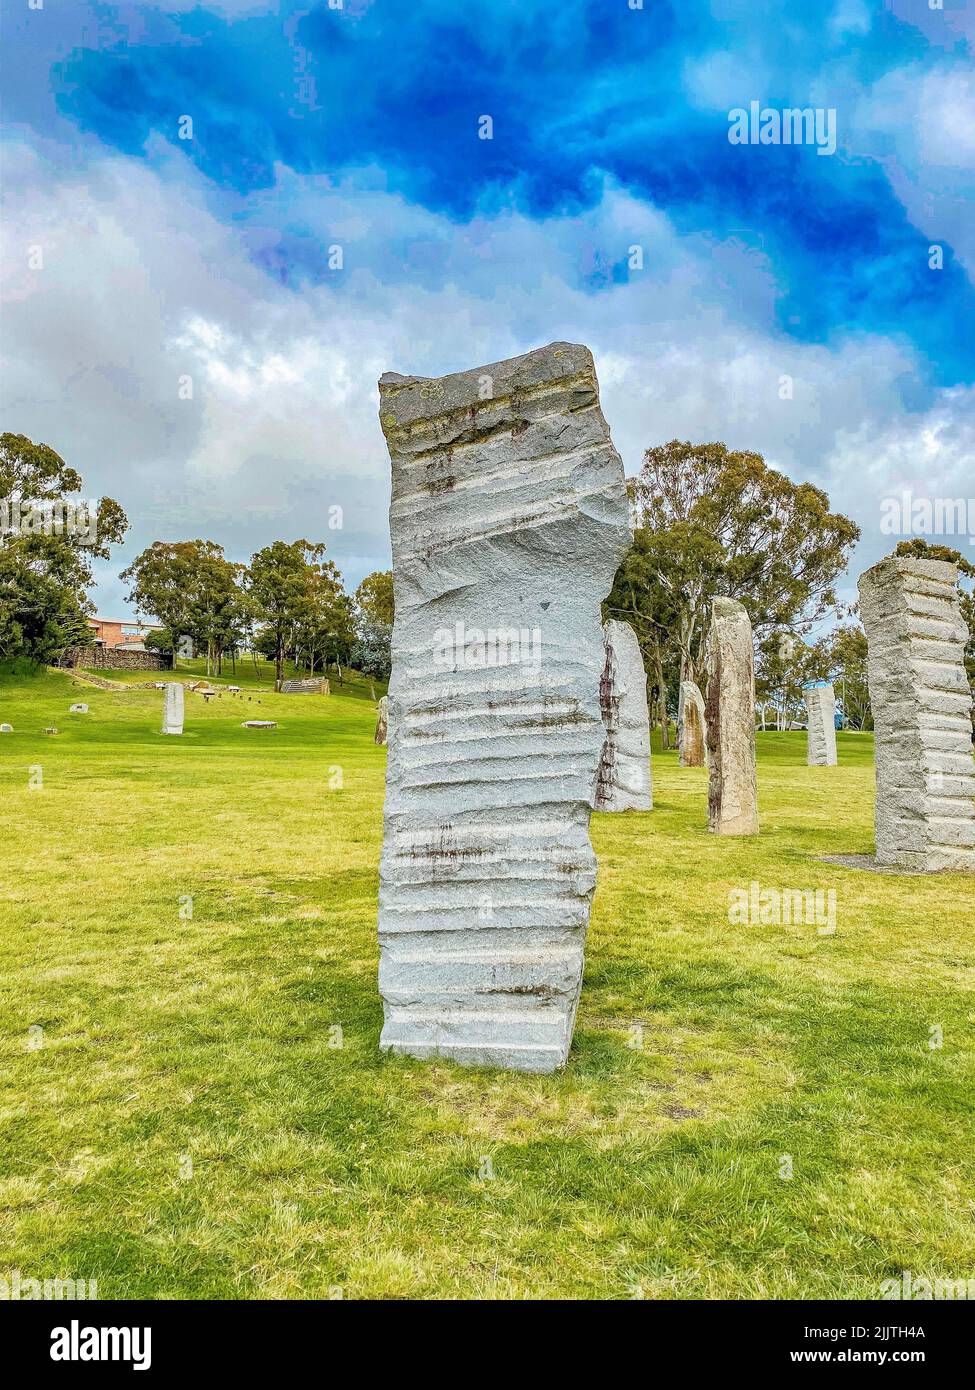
(921, 703)
(692, 738)
(508, 522)
(730, 721)
(623, 782)
(820, 724)
(173, 708)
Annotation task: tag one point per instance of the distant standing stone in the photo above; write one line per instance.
(820, 724)
(78, 709)
(6, 728)
(623, 781)
(508, 522)
(173, 709)
(730, 719)
(921, 703)
(382, 723)
(693, 740)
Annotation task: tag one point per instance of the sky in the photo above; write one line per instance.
(222, 222)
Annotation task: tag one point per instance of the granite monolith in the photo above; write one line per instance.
(921, 703)
(382, 720)
(692, 737)
(508, 521)
(624, 779)
(820, 700)
(730, 721)
(173, 708)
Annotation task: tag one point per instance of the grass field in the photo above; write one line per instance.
(179, 1119)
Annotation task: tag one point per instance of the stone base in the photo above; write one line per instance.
(872, 865)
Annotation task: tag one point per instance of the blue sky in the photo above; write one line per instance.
(207, 259)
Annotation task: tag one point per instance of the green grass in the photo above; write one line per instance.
(704, 1051)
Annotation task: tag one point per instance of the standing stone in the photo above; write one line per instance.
(508, 521)
(173, 709)
(382, 723)
(623, 782)
(693, 739)
(730, 722)
(921, 702)
(820, 724)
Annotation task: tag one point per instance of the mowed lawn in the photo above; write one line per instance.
(192, 1101)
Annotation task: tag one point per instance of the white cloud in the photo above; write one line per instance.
(143, 285)
(920, 125)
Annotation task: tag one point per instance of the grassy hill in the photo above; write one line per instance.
(192, 1099)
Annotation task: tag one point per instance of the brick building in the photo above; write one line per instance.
(129, 635)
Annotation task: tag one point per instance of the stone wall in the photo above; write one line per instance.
(314, 685)
(113, 659)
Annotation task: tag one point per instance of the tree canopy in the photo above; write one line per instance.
(49, 542)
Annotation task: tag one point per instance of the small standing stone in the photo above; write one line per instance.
(693, 739)
(382, 723)
(730, 719)
(921, 702)
(820, 724)
(624, 780)
(173, 709)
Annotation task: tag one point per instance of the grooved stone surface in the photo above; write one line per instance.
(820, 701)
(693, 740)
(730, 719)
(173, 708)
(508, 521)
(921, 702)
(624, 777)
